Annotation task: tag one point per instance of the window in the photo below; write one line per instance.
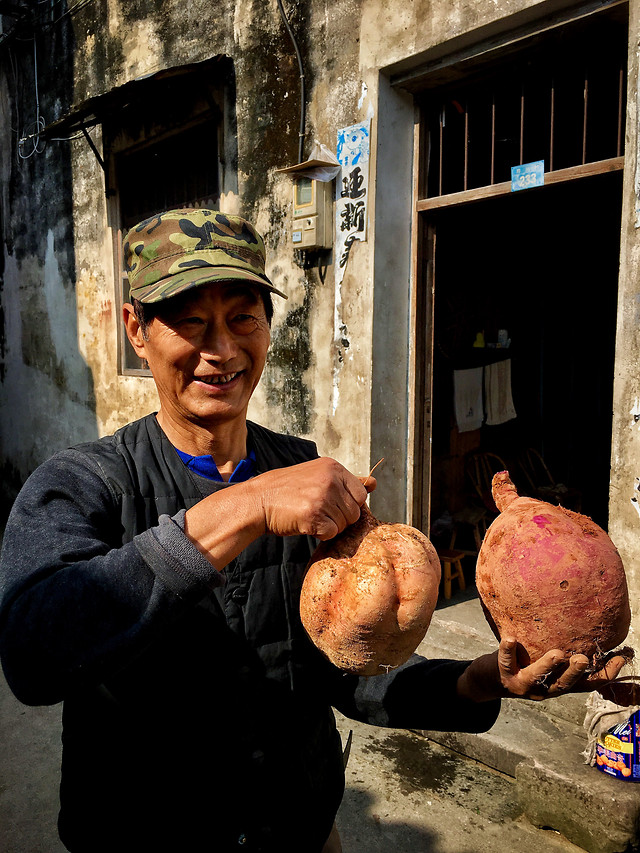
(165, 148)
(560, 100)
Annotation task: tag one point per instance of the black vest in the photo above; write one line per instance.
(220, 735)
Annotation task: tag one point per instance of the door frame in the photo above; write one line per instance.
(422, 303)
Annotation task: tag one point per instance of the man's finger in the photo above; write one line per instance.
(611, 669)
(574, 672)
(369, 483)
(540, 675)
(508, 656)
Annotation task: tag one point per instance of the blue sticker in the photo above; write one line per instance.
(527, 176)
(353, 144)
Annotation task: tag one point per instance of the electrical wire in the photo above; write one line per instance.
(302, 86)
(32, 132)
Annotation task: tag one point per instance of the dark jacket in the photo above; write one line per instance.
(197, 714)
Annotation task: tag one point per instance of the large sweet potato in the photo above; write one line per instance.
(551, 578)
(369, 594)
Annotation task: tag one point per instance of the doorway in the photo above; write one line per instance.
(515, 308)
(542, 266)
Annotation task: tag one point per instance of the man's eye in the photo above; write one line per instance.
(191, 320)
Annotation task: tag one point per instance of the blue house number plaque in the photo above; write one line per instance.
(526, 176)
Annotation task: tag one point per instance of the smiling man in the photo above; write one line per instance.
(150, 580)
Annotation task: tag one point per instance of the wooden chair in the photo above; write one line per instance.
(480, 510)
(541, 484)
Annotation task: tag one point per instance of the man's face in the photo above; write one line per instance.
(206, 351)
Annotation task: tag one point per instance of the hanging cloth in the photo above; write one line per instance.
(467, 396)
(497, 392)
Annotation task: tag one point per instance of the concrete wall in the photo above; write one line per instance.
(624, 520)
(341, 356)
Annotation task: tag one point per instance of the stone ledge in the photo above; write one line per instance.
(596, 812)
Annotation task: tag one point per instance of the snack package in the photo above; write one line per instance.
(618, 751)
(613, 731)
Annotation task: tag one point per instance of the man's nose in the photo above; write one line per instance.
(219, 343)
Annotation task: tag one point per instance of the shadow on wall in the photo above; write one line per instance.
(284, 377)
(47, 399)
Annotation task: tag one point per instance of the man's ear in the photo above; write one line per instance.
(134, 330)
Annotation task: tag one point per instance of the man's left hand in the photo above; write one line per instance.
(502, 675)
(554, 674)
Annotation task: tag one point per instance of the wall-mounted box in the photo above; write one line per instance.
(312, 214)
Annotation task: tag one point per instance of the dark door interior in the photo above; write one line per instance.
(543, 265)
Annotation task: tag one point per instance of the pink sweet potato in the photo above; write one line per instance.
(551, 578)
(369, 594)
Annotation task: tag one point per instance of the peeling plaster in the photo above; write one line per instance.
(363, 95)
(634, 499)
(142, 49)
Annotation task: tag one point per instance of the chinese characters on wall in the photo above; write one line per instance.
(352, 188)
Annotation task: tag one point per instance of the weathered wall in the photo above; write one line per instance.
(624, 511)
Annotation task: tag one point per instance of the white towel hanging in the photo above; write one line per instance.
(497, 392)
(467, 394)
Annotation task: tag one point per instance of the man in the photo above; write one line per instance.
(150, 580)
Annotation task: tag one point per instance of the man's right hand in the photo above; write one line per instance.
(318, 498)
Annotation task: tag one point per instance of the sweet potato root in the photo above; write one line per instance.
(551, 578)
(369, 594)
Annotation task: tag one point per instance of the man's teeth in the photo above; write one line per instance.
(219, 380)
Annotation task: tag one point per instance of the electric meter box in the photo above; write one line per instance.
(312, 213)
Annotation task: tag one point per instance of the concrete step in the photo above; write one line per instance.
(541, 745)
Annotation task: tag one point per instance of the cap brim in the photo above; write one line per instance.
(175, 284)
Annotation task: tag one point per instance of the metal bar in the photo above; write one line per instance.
(93, 148)
(584, 119)
(466, 145)
(522, 125)
(493, 136)
(440, 152)
(620, 111)
(552, 124)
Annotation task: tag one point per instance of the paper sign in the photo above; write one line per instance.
(527, 176)
(351, 189)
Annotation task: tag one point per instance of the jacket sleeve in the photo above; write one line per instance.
(75, 602)
(421, 694)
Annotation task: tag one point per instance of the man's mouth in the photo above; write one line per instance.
(219, 379)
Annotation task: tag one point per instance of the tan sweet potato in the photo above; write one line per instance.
(369, 594)
(551, 578)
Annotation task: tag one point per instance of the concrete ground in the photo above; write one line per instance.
(29, 776)
(407, 794)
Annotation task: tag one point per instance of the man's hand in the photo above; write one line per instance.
(501, 675)
(318, 498)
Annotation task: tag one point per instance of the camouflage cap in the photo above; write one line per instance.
(180, 249)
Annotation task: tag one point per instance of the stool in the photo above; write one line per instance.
(450, 558)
